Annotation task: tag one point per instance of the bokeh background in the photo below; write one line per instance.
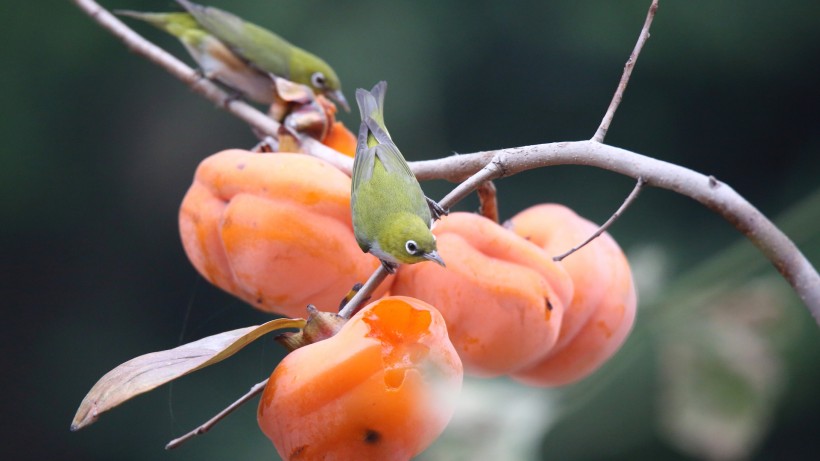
(101, 145)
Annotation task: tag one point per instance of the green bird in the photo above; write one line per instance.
(214, 58)
(204, 29)
(391, 215)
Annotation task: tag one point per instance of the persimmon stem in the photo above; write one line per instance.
(630, 64)
(488, 201)
(205, 427)
(629, 200)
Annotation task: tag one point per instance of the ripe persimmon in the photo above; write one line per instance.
(274, 230)
(382, 388)
(503, 298)
(602, 311)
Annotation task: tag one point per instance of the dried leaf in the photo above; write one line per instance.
(149, 371)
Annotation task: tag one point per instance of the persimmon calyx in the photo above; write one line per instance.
(319, 326)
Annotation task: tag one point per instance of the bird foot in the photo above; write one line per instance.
(389, 267)
(435, 209)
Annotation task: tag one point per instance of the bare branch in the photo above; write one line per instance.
(493, 169)
(716, 196)
(256, 389)
(630, 64)
(629, 200)
(256, 119)
(707, 190)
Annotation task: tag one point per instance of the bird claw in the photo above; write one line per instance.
(435, 209)
(389, 267)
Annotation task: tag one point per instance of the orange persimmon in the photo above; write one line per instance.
(383, 388)
(503, 298)
(341, 139)
(602, 311)
(274, 230)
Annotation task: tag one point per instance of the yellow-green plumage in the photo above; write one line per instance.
(391, 216)
(267, 51)
(241, 54)
(215, 59)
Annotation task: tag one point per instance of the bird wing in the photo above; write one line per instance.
(260, 47)
(364, 160)
(393, 161)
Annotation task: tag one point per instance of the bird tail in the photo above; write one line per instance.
(176, 24)
(371, 108)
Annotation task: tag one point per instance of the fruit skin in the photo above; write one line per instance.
(274, 230)
(341, 139)
(503, 298)
(603, 308)
(383, 388)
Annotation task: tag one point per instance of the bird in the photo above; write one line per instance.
(215, 60)
(258, 48)
(392, 218)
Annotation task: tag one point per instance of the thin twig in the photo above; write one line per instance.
(629, 200)
(488, 201)
(630, 64)
(493, 169)
(256, 389)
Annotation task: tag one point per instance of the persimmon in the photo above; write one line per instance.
(274, 230)
(503, 298)
(600, 316)
(341, 139)
(382, 388)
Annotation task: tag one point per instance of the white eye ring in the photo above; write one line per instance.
(318, 80)
(411, 247)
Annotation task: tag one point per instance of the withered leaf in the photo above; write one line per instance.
(149, 371)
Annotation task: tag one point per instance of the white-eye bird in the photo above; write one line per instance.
(241, 54)
(391, 215)
(214, 58)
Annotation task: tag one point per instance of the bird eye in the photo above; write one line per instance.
(318, 80)
(411, 247)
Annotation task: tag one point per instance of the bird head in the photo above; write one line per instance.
(408, 240)
(317, 74)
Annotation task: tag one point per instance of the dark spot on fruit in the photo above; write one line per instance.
(297, 452)
(549, 304)
(259, 300)
(372, 437)
(240, 166)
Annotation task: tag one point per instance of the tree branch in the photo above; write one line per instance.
(716, 196)
(201, 85)
(707, 190)
(630, 64)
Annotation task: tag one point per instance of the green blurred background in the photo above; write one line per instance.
(101, 145)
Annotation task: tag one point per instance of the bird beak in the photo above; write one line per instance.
(339, 97)
(433, 256)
